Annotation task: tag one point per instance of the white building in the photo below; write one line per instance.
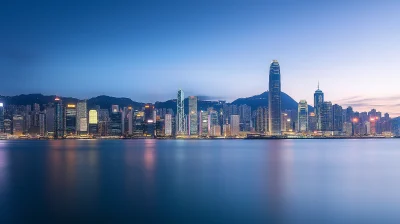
(235, 125)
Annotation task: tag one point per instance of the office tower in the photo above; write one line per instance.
(130, 120)
(245, 117)
(180, 113)
(274, 99)
(42, 124)
(36, 107)
(193, 115)
(349, 114)
(302, 116)
(312, 122)
(138, 123)
(226, 129)
(103, 124)
(93, 122)
(168, 125)
(262, 120)
(204, 123)
(18, 125)
(115, 125)
(326, 116)
(235, 125)
(337, 118)
(81, 117)
(149, 122)
(58, 119)
(318, 101)
(70, 119)
(373, 123)
(285, 122)
(7, 126)
(50, 121)
(1, 118)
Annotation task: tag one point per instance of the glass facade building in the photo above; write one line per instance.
(274, 99)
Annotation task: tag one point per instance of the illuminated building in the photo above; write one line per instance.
(312, 122)
(50, 120)
(7, 126)
(70, 119)
(138, 123)
(337, 118)
(149, 122)
(42, 124)
(245, 117)
(235, 125)
(215, 131)
(168, 125)
(104, 119)
(114, 108)
(93, 122)
(1, 118)
(204, 123)
(193, 123)
(18, 125)
(115, 126)
(318, 101)
(58, 119)
(262, 120)
(81, 117)
(274, 99)
(326, 116)
(302, 116)
(180, 114)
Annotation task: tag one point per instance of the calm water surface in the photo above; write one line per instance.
(220, 181)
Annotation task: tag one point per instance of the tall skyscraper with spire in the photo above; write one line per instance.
(318, 101)
(180, 113)
(274, 99)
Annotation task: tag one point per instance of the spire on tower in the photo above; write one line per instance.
(318, 84)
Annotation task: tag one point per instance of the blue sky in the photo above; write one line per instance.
(147, 50)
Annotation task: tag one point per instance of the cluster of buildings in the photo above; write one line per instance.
(188, 120)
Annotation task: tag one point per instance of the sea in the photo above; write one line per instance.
(200, 181)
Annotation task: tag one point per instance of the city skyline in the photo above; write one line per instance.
(350, 43)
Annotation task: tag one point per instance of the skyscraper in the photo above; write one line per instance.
(50, 121)
(18, 125)
(149, 122)
(81, 117)
(326, 116)
(180, 113)
(70, 119)
(193, 115)
(115, 125)
(318, 101)
(274, 99)
(42, 124)
(303, 116)
(1, 118)
(235, 125)
(337, 118)
(204, 123)
(58, 119)
(168, 125)
(93, 122)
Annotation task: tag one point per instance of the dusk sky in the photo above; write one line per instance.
(147, 50)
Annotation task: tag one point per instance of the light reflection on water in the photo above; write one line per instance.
(224, 181)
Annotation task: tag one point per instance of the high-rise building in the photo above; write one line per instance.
(93, 122)
(312, 122)
(115, 125)
(302, 116)
(58, 119)
(326, 116)
(42, 124)
(193, 116)
(180, 113)
(168, 125)
(149, 122)
(81, 117)
(1, 118)
(318, 101)
(262, 120)
(18, 125)
(337, 118)
(235, 125)
(274, 99)
(50, 120)
(204, 123)
(7, 126)
(70, 119)
(104, 120)
(245, 117)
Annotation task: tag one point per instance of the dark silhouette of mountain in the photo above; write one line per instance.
(288, 103)
(105, 102)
